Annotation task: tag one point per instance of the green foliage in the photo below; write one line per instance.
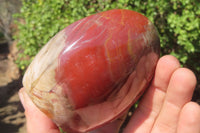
(61, 131)
(177, 22)
(1, 35)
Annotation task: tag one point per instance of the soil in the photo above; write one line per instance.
(12, 116)
(12, 119)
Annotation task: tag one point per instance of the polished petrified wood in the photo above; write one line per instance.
(93, 70)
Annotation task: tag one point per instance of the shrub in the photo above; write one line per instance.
(177, 22)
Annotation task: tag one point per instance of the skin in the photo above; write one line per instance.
(165, 107)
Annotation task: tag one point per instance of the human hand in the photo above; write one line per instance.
(166, 106)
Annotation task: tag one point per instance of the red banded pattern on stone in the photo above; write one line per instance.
(94, 69)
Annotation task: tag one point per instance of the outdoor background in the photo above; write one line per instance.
(27, 25)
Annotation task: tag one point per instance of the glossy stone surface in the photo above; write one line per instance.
(94, 69)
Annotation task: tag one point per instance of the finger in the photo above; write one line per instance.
(150, 105)
(189, 121)
(37, 122)
(179, 92)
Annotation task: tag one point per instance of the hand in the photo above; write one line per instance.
(166, 106)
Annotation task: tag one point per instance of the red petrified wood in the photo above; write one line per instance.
(94, 69)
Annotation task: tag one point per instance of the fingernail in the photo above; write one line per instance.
(25, 100)
(21, 97)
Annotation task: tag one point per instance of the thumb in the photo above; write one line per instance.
(37, 121)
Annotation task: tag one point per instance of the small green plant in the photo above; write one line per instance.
(61, 131)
